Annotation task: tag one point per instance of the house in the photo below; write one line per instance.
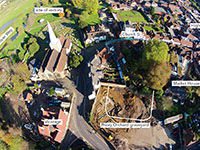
(147, 4)
(166, 39)
(158, 37)
(28, 96)
(186, 43)
(119, 6)
(53, 124)
(185, 65)
(192, 37)
(97, 33)
(176, 41)
(175, 9)
(60, 91)
(130, 32)
(160, 11)
(55, 60)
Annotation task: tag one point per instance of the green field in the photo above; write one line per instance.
(19, 15)
(16, 9)
(133, 16)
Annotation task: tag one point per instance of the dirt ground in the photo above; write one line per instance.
(129, 105)
(150, 138)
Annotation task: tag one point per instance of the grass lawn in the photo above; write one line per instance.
(148, 28)
(92, 19)
(16, 9)
(61, 26)
(133, 16)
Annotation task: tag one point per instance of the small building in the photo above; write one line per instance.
(160, 11)
(28, 97)
(53, 125)
(192, 37)
(60, 91)
(130, 32)
(97, 33)
(186, 43)
(175, 9)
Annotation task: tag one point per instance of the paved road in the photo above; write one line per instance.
(79, 128)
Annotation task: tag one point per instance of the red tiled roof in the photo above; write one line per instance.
(52, 61)
(157, 37)
(102, 52)
(67, 43)
(175, 9)
(44, 130)
(61, 127)
(176, 40)
(62, 61)
(186, 43)
(54, 133)
(28, 96)
(192, 37)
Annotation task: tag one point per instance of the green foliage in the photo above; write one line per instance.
(16, 143)
(146, 90)
(31, 48)
(158, 76)
(86, 19)
(18, 84)
(68, 12)
(21, 74)
(15, 58)
(130, 15)
(4, 90)
(91, 6)
(197, 91)
(152, 10)
(173, 58)
(75, 59)
(166, 104)
(155, 52)
(51, 91)
(22, 70)
(3, 145)
(89, 14)
(36, 85)
(11, 142)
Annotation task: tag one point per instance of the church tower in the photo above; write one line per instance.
(55, 43)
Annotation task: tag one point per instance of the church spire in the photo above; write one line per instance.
(54, 42)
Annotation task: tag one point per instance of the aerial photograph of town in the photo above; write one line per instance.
(99, 74)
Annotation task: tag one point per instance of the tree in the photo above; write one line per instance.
(89, 14)
(45, 2)
(158, 76)
(18, 84)
(75, 59)
(154, 52)
(51, 91)
(55, 1)
(61, 15)
(31, 48)
(68, 12)
(152, 11)
(78, 3)
(3, 145)
(91, 6)
(22, 70)
(82, 19)
(21, 75)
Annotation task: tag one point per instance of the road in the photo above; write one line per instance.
(78, 126)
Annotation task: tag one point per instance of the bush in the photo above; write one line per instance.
(75, 59)
(3, 145)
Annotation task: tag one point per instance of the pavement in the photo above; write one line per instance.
(78, 126)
